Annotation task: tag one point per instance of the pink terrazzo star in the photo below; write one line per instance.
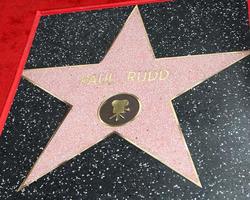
(155, 129)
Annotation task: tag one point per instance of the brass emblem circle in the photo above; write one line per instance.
(119, 109)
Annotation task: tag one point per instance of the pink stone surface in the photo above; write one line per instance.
(155, 130)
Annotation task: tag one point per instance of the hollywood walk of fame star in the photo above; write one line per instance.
(155, 129)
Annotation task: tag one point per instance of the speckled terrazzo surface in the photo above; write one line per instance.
(214, 117)
(78, 38)
(175, 29)
(193, 27)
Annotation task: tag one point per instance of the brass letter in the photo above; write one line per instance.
(92, 79)
(163, 75)
(108, 78)
(85, 80)
(131, 76)
(152, 78)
